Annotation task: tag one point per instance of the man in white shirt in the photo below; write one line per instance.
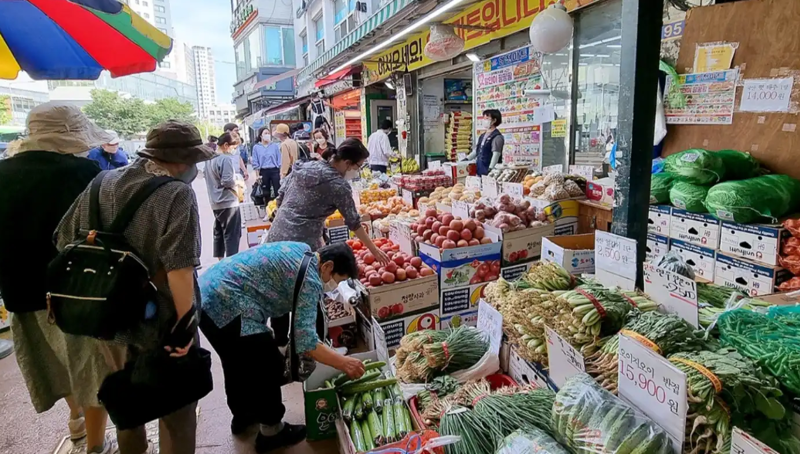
(380, 149)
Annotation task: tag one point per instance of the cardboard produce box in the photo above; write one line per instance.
(573, 252)
(466, 265)
(658, 219)
(700, 229)
(396, 300)
(461, 299)
(758, 242)
(256, 234)
(514, 272)
(657, 245)
(463, 318)
(753, 278)
(522, 246)
(396, 329)
(701, 259)
(526, 372)
(601, 191)
(338, 232)
(563, 213)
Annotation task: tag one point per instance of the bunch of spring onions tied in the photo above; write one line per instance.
(429, 354)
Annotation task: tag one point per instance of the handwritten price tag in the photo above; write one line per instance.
(744, 443)
(654, 386)
(490, 321)
(564, 359)
(615, 254)
(515, 190)
(434, 164)
(558, 168)
(582, 171)
(400, 234)
(489, 187)
(408, 197)
(676, 294)
(379, 337)
(461, 209)
(461, 156)
(473, 183)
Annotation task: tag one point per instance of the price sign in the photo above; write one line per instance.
(744, 443)
(473, 183)
(489, 186)
(676, 294)
(357, 197)
(615, 254)
(766, 95)
(582, 171)
(490, 321)
(564, 359)
(408, 197)
(400, 234)
(423, 207)
(558, 168)
(379, 337)
(461, 156)
(461, 209)
(434, 164)
(515, 190)
(654, 386)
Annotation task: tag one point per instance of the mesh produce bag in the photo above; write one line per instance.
(738, 165)
(695, 166)
(762, 198)
(530, 441)
(589, 419)
(660, 184)
(688, 196)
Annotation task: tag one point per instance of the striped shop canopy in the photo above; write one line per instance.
(76, 39)
(375, 21)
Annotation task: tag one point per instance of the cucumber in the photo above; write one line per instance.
(358, 411)
(375, 365)
(349, 390)
(369, 444)
(388, 421)
(371, 375)
(636, 438)
(375, 428)
(407, 417)
(347, 409)
(377, 399)
(653, 444)
(366, 400)
(340, 380)
(357, 436)
(399, 420)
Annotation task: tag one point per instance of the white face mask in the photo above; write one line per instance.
(266, 138)
(351, 174)
(330, 286)
(322, 142)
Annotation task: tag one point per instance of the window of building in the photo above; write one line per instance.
(272, 44)
(137, 2)
(340, 6)
(162, 30)
(304, 42)
(164, 65)
(147, 16)
(319, 28)
(288, 46)
(241, 64)
(160, 20)
(255, 55)
(145, 4)
(305, 59)
(321, 47)
(159, 9)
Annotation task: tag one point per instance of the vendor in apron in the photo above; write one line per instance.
(490, 144)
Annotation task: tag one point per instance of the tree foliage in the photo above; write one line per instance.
(128, 116)
(208, 129)
(5, 109)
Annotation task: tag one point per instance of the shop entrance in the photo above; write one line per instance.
(447, 116)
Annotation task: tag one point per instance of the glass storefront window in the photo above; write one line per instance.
(598, 40)
(556, 71)
(241, 64)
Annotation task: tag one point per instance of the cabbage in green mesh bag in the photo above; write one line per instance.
(688, 196)
(738, 165)
(695, 166)
(764, 198)
(660, 184)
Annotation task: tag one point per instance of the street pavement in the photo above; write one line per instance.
(22, 431)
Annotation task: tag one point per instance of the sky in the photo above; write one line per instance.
(207, 23)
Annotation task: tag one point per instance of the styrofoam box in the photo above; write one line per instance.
(658, 219)
(701, 259)
(700, 229)
(751, 277)
(657, 245)
(525, 372)
(757, 242)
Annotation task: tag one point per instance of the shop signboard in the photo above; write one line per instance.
(492, 19)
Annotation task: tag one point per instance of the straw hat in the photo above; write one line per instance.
(63, 128)
(176, 142)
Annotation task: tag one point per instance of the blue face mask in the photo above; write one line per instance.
(189, 175)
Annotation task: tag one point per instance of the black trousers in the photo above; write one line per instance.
(227, 232)
(280, 327)
(253, 370)
(270, 179)
(377, 168)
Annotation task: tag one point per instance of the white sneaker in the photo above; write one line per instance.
(110, 446)
(77, 428)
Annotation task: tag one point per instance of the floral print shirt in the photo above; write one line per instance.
(258, 284)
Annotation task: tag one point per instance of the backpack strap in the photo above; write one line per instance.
(127, 212)
(94, 201)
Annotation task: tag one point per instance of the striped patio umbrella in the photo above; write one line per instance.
(76, 39)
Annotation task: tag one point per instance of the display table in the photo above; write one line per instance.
(594, 216)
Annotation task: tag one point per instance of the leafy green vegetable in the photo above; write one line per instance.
(660, 184)
(738, 165)
(695, 166)
(757, 199)
(688, 196)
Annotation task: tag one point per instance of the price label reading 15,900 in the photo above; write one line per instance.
(654, 386)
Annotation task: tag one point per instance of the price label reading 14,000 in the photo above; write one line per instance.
(654, 386)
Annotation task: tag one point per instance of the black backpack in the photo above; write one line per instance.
(98, 286)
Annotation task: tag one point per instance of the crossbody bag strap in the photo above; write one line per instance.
(95, 222)
(127, 212)
(298, 285)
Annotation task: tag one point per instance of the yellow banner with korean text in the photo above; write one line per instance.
(500, 17)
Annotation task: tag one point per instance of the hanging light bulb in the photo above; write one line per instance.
(444, 43)
(551, 30)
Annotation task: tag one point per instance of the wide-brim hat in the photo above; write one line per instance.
(63, 128)
(176, 142)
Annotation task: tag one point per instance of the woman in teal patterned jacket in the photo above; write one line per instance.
(240, 295)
